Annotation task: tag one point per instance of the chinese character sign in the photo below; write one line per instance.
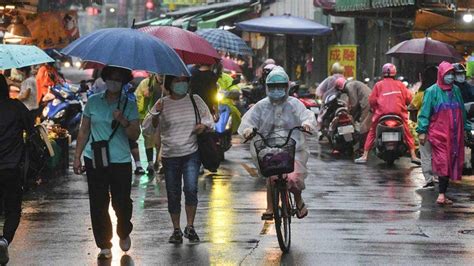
(346, 55)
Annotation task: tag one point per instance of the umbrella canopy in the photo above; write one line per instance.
(285, 24)
(192, 48)
(231, 65)
(225, 41)
(128, 48)
(425, 50)
(17, 56)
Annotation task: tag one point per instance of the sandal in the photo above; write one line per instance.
(267, 216)
(445, 202)
(301, 211)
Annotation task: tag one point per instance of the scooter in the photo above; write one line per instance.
(390, 144)
(65, 109)
(338, 125)
(223, 126)
(306, 98)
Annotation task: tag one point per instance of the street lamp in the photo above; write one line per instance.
(467, 17)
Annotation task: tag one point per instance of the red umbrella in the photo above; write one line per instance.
(425, 50)
(231, 65)
(192, 48)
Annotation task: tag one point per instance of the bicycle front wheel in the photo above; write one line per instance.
(282, 216)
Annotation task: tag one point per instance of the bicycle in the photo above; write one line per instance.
(276, 157)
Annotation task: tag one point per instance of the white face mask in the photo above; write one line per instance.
(113, 86)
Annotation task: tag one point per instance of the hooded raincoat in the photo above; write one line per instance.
(443, 118)
(272, 118)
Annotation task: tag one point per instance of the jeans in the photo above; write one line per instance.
(177, 169)
(11, 191)
(117, 178)
(426, 168)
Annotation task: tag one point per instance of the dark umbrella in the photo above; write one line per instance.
(225, 41)
(285, 24)
(192, 48)
(127, 48)
(425, 50)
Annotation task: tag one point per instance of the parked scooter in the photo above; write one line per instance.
(306, 98)
(390, 138)
(65, 109)
(338, 125)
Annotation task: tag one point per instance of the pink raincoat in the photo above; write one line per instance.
(442, 117)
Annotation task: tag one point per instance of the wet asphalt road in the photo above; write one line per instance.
(358, 215)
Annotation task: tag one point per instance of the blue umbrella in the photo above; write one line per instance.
(17, 56)
(128, 48)
(285, 24)
(225, 41)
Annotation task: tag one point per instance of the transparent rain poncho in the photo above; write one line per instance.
(277, 119)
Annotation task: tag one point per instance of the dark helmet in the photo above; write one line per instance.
(459, 68)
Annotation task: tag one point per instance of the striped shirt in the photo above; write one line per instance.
(177, 121)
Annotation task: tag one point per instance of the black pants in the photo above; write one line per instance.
(11, 191)
(443, 184)
(115, 181)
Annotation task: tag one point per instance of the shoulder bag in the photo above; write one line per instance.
(208, 143)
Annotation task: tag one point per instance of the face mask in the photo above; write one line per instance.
(277, 94)
(113, 86)
(448, 79)
(460, 78)
(180, 88)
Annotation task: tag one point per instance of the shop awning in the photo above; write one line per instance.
(162, 22)
(212, 23)
(352, 5)
(442, 28)
(357, 5)
(206, 8)
(284, 25)
(391, 3)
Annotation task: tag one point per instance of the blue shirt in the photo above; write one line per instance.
(100, 113)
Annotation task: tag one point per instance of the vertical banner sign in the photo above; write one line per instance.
(346, 55)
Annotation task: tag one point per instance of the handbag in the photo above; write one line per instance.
(148, 129)
(208, 144)
(100, 149)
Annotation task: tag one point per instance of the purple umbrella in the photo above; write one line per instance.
(425, 50)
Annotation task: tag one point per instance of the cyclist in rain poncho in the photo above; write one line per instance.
(276, 115)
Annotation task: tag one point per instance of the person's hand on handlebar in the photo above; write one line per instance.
(248, 132)
(307, 128)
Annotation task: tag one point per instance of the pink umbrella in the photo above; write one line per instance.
(231, 65)
(192, 48)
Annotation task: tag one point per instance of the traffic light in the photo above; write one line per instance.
(150, 5)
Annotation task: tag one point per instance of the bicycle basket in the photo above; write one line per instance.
(275, 158)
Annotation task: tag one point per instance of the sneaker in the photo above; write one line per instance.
(176, 237)
(360, 160)
(428, 186)
(139, 171)
(4, 258)
(105, 254)
(125, 244)
(191, 234)
(150, 170)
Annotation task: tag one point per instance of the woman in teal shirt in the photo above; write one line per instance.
(109, 116)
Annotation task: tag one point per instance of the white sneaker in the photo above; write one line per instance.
(3, 251)
(125, 244)
(105, 254)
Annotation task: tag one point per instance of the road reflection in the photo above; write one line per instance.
(221, 221)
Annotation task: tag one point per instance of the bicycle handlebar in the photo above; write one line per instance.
(255, 133)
